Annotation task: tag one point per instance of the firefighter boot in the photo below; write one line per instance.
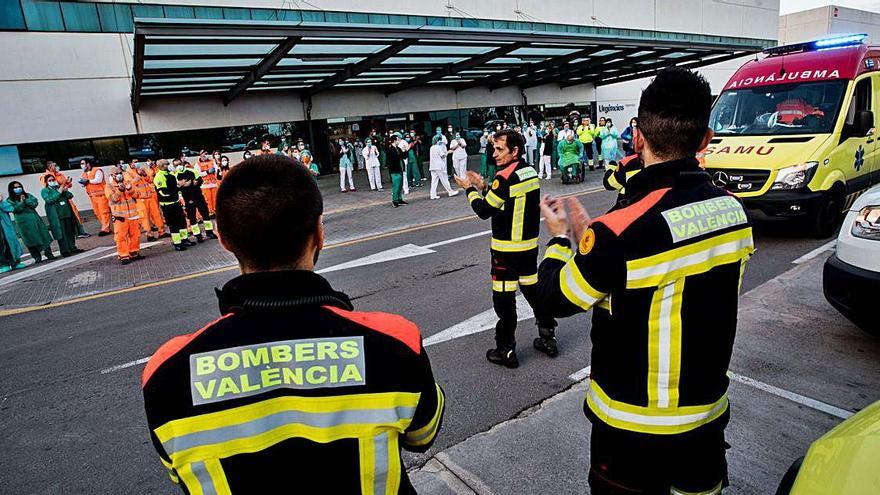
(546, 342)
(505, 356)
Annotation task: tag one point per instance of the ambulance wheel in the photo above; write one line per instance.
(828, 213)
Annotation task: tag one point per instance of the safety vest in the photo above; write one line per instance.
(512, 203)
(141, 184)
(586, 134)
(94, 190)
(666, 267)
(122, 203)
(209, 179)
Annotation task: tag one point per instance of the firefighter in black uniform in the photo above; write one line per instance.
(664, 267)
(512, 202)
(168, 195)
(290, 389)
(190, 180)
(618, 173)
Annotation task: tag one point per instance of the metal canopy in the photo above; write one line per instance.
(230, 58)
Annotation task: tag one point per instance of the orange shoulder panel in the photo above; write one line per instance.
(619, 220)
(508, 170)
(627, 159)
(172, 347)
(394, 326)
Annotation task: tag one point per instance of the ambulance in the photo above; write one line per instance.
(795, 131)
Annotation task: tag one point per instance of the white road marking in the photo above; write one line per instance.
(52, 265)
(479, 323)
(785, 394)
(126, 365)
(144, 245)
(816, 252)
(401, 252)
(458, 239)
(580, 374)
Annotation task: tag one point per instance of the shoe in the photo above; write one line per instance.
(124, 261)
(435, 197)
(504, 357)
(402, 202)
(454, 193)
(5, 269)
(51, 257)
(78, 250)
(187, 243)
(211, 234)
(200, 238)
(395, 204)
(353, 189)
(343, 190)
(165, 235)
(66, 255)
(19, 266)
(103, 233)
(424, 179)
(179, 247)
(85, 235)
(547, 345)
(136, 257)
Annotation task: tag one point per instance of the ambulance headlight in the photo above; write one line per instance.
(867, 223)
(795, 176)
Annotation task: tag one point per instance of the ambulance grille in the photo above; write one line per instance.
(739, 180)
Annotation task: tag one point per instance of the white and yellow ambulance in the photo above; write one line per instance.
(795, 131)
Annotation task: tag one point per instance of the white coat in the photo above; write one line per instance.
(371, 155)
(438, 158)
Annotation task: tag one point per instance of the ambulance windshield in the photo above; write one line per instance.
(799, 108)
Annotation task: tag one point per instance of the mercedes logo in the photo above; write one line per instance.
(720, 179)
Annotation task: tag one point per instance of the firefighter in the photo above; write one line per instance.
(168, 195)
(617, 174)
(512, 202)
(290, 386)
(190, 182)
(126, 222)
(664, 270)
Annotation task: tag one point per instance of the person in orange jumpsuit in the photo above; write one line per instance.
(64, 181)
(151, 220)
(126, 223)
(93, 180)
(208, 170)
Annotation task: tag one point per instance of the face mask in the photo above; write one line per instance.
(171, 168)
(301, 146)
(53, 184)
(17, 190)
(225, 163)
(118, 177)
(368, 142)
(439, 131)
(124, 167)
(83, 166)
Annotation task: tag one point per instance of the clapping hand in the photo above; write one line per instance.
(475, 180)
(580, 219)
(555, 217)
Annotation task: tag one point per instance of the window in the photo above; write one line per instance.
(42, 16)
(237, 14)
(861, 100)
(147, 11)
(11, 16)
(180, 12)
(81, 17)
(208, 13)
(107, 16)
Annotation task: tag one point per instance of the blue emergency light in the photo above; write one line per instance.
(835, 42)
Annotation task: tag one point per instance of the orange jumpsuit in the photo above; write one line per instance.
(209, 183)
(126, 224)
(95, 189)
(151, 220)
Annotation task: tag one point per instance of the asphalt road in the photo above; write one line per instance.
(68, 427)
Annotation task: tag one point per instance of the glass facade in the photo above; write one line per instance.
(470, 122)
(80, 16)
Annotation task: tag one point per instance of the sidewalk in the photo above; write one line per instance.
(348, 216)
(545, 449)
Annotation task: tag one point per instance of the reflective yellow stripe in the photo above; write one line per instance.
(494, 200)
(610, 167)
(209, 225)
(714, 491)
(425, 434)
(524, 188)
(604, 304)
(576, 288)
(630, 174)
(699, 257)
(189, 479)
(558, 252)
(257, 426)
(660, 421)
(218, 477)
(529, 280)
(612, 180)
(473, 196)
(519, 215)
(171, 473)
(664, 345)
(367, 459)
(514, 246)
(504, 285)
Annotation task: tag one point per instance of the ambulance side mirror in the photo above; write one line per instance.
(864, 123)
